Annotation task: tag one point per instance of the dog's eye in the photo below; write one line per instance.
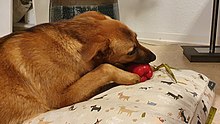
(133, 51)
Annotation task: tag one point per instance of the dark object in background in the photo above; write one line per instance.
(66, 9)
(206, 53)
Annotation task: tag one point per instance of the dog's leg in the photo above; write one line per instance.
(86, 86)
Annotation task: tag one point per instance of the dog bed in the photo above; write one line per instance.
(156, 101)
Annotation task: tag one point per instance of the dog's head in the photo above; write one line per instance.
(113, 42)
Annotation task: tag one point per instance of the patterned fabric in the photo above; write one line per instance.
(155, 101)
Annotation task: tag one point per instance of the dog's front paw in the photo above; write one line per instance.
(134, 79)
(129, 79)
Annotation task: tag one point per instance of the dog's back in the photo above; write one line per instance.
(28, 61)
(36, 65)
(18, 93)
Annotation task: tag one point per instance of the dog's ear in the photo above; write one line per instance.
(92, 48)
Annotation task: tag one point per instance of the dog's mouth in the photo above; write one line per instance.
(142, 60)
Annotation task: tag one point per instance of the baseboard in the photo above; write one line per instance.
(156, 42)
(173, 38)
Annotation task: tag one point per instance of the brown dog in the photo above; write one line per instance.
(57, 64)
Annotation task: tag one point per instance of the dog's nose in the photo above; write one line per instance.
(152, 57)
(147, 58)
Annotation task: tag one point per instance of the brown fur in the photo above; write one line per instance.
(54, 65)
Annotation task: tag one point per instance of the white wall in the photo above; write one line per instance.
(6, 17)
(169, 20)
(41, 10)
